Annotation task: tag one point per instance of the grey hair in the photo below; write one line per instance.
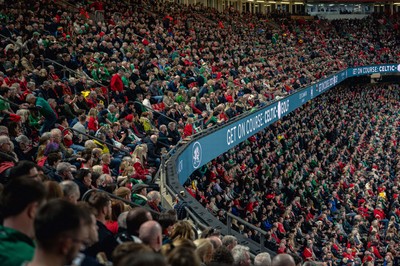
(4, 139)
(69, 188)
(153, 195)
(122, 220)
(228, 240)
(63, 166)
(262, 259)
(238, 253)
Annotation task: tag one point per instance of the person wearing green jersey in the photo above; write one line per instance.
(45, 110)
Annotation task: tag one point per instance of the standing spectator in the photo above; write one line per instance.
(20, 200)
(116, 82)
(45, 110)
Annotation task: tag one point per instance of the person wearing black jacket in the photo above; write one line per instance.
(173, 133)
(153, 155)
(101, 202)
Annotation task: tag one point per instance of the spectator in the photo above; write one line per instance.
(18, 214)
(91, 237)
(154, 200)
(45, 110)
(117, 207)
(173, 133)
(184, 255)
(53, 159)
(54, 233)
(283, 259)
(262, 259)
(25, 168)
(153, 155)
(70, 191)
(53, 190)
(222, 256)
(23, 148)
(229, 242)
(139, 194)
(150, 233)
(241, 255)
(204, 250)
(125, 249)
(102, 204)
(167, 221)
(135, 218)
(145, 258)
(63, 172)
(84, 181)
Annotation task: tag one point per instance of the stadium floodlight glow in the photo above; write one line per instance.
(272, 2)
(285, 3)
(300, 3)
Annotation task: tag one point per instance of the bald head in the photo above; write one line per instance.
(216, 241)
(283, 260)
(151, 234)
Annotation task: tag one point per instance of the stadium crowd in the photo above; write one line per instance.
(67, 76)
(321, 182)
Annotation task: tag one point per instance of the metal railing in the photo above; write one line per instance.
(96, 138)
(15, 45)
(155, 111)
(87, 194)
(77, 75)
(230, 217)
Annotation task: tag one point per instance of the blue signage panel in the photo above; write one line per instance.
(209, 147)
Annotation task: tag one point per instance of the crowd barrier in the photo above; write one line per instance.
(208, 145)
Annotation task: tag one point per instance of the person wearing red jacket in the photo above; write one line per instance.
(116, 82)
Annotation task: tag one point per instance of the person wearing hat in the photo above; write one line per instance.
(139, 194)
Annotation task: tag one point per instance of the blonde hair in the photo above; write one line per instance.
(204, 249)
(97, 169)
(129, 171)
(182, 229)
(93, 112)
(124, 165)
(140, 153)
(24, 114)
(90, 144)
(181, 242)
